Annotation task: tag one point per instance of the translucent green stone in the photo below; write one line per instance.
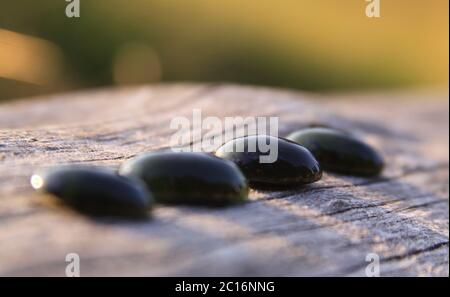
(94, 190)
(340, 152)
(188, 178)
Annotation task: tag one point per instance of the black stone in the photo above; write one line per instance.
(94, 190)
(340, 152)
(295, 165)
(189, 178)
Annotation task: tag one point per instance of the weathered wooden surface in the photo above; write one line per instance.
(323, 229)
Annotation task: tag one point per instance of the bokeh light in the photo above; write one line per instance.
(321, 45)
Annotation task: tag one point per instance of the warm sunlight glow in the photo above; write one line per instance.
(28, 59)
(136, 63)
(36, 181)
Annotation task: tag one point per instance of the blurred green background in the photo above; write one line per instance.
(318, 45)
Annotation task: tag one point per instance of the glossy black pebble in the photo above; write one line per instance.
(340, 152)
(188, 178)
(294, 164)
(94, 190)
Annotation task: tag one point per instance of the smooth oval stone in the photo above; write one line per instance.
(189, 178)
(94, 190)
(340, 152)
(294, 164)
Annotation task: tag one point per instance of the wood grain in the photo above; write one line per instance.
(324, 229)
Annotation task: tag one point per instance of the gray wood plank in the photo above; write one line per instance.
(326, 228)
